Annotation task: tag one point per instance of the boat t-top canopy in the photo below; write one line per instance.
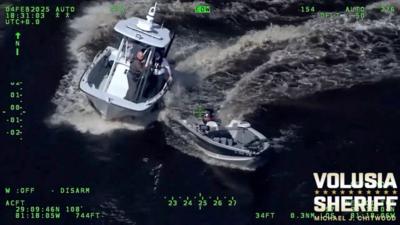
(144, 31)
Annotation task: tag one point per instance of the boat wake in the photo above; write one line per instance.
(238, 74)
(239, 71)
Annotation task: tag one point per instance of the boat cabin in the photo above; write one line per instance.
(153, 41)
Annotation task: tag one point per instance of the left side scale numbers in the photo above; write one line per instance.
(13, 113)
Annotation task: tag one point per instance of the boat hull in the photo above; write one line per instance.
(109, 111)
(225, 154)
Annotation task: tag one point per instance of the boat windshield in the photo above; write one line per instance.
(131, 48)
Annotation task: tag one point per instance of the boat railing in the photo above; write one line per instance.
(124, 64)
(114, 65)
(93, 62)
(142, 85)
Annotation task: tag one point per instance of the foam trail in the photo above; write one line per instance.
(378, 4)
(321, 54)
(303, 67)
(217, 56)
(235, 73)
(95, 27)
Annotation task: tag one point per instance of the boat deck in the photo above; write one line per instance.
(98, 73)
(119, 84)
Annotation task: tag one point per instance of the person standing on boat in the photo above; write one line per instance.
(137, 64)
(208, 116)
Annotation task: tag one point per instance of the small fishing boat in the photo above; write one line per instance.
(236, 142)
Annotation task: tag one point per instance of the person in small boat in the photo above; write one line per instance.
(208, 116)
(210, 122)
(211, 128)
(137, 64)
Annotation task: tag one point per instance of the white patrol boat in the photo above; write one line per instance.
(112, 87)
